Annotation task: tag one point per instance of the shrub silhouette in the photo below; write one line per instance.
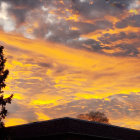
(94, 116)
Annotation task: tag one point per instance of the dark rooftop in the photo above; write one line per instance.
(71, 126)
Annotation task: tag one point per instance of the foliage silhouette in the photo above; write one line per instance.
(94, 116)
(3, 101)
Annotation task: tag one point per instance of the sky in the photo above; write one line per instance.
(70, 57)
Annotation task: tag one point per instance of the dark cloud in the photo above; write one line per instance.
(20, 14)
(22, 3)
(100, 8)
(20, 8)
(85, 28)
(124, 48)
(87, 44)
(63, 36)
(109, 38)
(47, 65)
(133, 21)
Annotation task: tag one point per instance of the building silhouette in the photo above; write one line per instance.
(69, 129)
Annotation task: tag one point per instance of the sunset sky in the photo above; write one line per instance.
(68, 57)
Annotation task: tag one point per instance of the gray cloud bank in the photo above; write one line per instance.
(55, 25)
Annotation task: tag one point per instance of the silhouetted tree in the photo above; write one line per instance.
(3, 75)
(94, 116)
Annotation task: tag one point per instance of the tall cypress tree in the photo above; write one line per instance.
(3, 75)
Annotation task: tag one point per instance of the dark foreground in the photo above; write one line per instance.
(69, 129)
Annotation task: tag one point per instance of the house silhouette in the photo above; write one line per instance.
(70, 129)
